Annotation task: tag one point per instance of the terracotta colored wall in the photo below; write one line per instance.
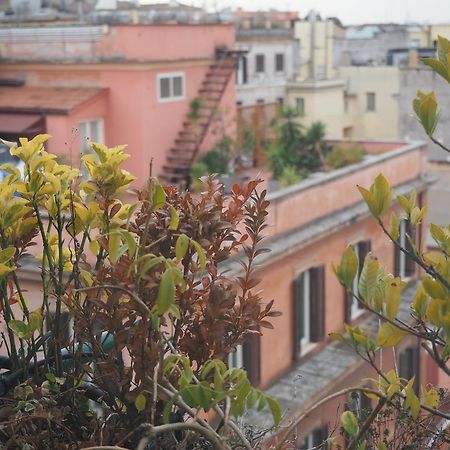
(133, 115)
(165, 42)
(277, 345)
(118, 42)
(65, 129)
(290, 211)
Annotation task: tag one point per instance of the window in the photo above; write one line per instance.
(370, 97)
(359, 404)
(236, 358)
(260, 101)
(352, 307)
(247, 356)
(241, 75)
(316, 438)
(170, 87)
(90, 131)
(409, 366)
(279, 62)
(300, 105)
(259, 64)
(309, 309)
(403, 264)
(280, 101)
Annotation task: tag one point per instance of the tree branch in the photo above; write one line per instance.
(440, 145)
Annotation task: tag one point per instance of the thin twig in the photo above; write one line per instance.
(440, 145)
(119, 288)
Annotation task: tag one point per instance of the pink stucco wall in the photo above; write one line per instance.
(295, 206)
(131, 111)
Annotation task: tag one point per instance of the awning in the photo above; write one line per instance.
(20, 124)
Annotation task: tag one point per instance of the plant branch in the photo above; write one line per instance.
(368, 423)
(440, 145)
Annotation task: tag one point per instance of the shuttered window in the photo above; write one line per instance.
(352, 307)
(316, 438)
(403, 265)
(247, 356)
(252, 359)
(279, 62)
(260, 63)
(409, 366)
(309, 309)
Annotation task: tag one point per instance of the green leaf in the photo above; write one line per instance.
(349, 423)
(159, 197)
(389, 335)
(203, 395)
(7, 254)
(274, 409)
(368, 278)
(347, 269)
(174, 218)
(19, 328)
(140, 402)
(35, 321)
(166, 292)
(181, 246)
(201, 254)
(168, 408)
(114, 244)
(131, 243)
(427, 111)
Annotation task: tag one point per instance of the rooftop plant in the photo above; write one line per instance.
(153, 317)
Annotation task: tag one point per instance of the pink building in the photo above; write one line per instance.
(119, 84)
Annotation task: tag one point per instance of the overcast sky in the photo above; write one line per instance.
(350, 11)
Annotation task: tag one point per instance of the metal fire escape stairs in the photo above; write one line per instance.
(194, 130)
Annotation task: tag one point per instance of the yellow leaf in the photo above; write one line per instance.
(389, 335)
(393, 297)
(420, 303)
(430, 397)
(346, 270)
(140, 402)
(370, 200)
(434, 288)
(4, 269)
(395, 227)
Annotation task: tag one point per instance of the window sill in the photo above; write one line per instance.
(170, 100)
(307, 347)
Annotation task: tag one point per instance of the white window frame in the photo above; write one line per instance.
(305, 342)
(355, 310)
(171, 76)
(236, 358)
(101, 133)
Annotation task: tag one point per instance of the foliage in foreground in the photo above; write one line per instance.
(153, 315)
(404, 415)
(421, 415)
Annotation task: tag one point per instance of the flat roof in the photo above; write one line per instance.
(50, 100)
